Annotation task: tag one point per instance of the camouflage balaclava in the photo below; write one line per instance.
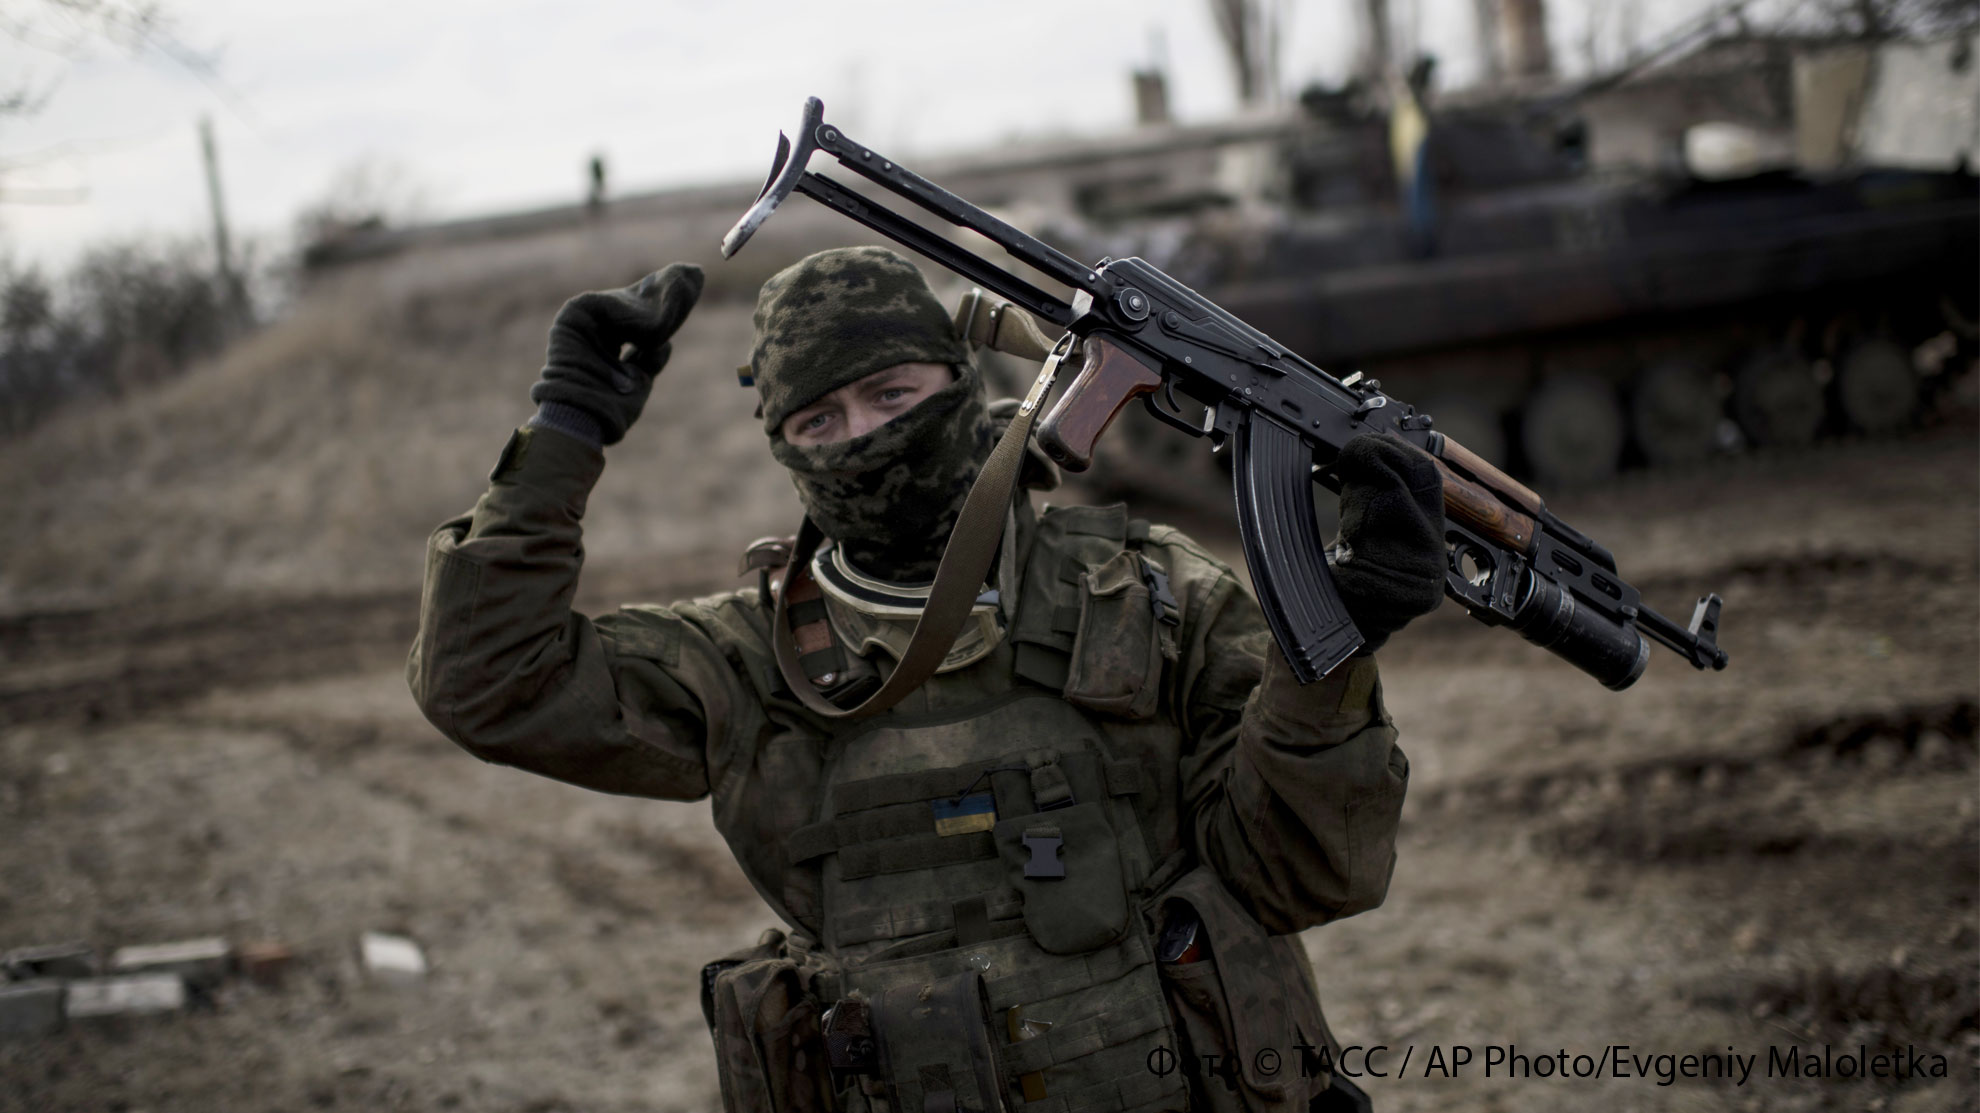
(888, 498)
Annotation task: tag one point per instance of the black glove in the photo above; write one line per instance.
(1390, 561)
(584, 370)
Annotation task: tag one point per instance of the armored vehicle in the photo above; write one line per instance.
(1681, 263)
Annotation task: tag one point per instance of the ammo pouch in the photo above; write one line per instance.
(1117, 653)
(769, 1051)
(1254, 993)
(1098, 623)
(934, 1045)
(1066, 864)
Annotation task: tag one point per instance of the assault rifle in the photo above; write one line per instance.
(1145, 335)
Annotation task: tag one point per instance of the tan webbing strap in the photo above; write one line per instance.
(869, 859)
(898, 821)
(1040, 983)
(1066, 1042)
(1000, 327)
(958, 578)
(890, 789)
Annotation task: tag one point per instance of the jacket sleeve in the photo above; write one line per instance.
(505, 668)
(1293, 793)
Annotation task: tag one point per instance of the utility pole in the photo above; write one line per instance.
(1151, 84)
(1485, 22)
(231, 288)
(1376, 51)
(1251, 30)
(1523, 43)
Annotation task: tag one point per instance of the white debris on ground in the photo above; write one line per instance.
(42, 987)
(127, 994)
(393, 959)
(198, 961)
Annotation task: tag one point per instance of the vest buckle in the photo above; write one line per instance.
(1045, 862)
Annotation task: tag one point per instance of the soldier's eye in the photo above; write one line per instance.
(815, 421)
(893, 394)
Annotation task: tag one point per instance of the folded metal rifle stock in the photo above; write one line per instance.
(1144, 335)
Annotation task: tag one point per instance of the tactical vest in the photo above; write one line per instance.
(987, 887)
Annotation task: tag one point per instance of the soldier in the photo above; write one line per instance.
(1063, 874)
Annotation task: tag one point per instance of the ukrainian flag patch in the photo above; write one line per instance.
(959, 815)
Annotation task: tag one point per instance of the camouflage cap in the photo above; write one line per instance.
(837, 316)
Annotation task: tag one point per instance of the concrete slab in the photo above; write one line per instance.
(131, 994)
(31, 1008)
(53, 960)
(198, 961)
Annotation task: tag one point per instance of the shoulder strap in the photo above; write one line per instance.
(958, 578)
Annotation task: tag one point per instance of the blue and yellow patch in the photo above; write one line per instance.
(959, 815)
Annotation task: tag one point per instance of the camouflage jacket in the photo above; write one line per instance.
(1287, 795)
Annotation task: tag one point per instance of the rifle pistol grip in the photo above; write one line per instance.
(1109, 379)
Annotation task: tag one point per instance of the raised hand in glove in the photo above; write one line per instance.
(1389, 564)
(584, 371)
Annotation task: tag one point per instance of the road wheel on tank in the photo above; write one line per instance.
(1876, 387)
(1777, 400)
(1674, 412)
(1472, 423)
(1572, 431)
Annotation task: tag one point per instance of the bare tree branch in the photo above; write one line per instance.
(68, 28)
(1251, 31)
(1880, 19)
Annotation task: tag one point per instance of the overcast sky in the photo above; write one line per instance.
(493, 105)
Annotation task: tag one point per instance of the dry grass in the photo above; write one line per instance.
(316, 454)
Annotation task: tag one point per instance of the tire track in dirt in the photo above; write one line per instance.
(1856, 825)
(1888, 1003)
(115, 662)
(1919, 737)
(1802, 569)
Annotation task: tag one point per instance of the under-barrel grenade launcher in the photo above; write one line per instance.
(1511, 562)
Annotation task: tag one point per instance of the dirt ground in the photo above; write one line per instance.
(1783, 854)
